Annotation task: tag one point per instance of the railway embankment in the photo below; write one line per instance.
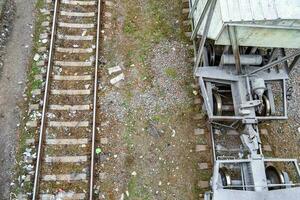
(15, 47)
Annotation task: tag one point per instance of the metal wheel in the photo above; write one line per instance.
(217, 104)
(205, 61)
(274, 177)
(211, 53)
(265, 108)
(224, 177)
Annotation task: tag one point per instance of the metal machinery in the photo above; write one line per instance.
(242, 68)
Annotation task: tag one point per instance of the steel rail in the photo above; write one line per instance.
(91, 192)
(45, 101)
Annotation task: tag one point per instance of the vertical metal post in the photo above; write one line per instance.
(213, 142)
(273, 54)
(215, 176)
(297, 168)
(242, 176)
(43, 120)
(235, 48)
(248, 89)
(284, 97)
(294, 62)
(285, 64)
(205, 33)
(91, 187)
(206, 100)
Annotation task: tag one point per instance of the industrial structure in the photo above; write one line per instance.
(242, 65)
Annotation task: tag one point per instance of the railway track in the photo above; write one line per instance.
(65, 154)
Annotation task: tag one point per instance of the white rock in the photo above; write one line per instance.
(36, 57)
(134, 173)
(173, 133)
(122, 197)
(84, 33)
(44, 41)
(117, 79)
(114, 69)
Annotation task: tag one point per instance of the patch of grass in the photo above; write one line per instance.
(136, 192)
(146, 74)
(205, 175)
(129, 95)
(130, 127)
(156, 118)
(146, 24)
(171, 72)
(36, 84)
(201, 140)
(129, 27)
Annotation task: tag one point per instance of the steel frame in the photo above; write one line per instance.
(218, 163)
(241, 75)
(212, 117)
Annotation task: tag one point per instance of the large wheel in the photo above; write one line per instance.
(265, 108)
(210, 53)
(217, 104)
(224, 177)
(274, 177)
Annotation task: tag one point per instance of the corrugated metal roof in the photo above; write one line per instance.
(249, 10)
(266, 23)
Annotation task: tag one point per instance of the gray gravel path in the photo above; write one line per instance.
(12, 84)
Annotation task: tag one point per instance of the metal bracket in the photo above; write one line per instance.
(250, 104)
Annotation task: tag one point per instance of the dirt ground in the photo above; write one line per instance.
(12, 81)
(148, 117)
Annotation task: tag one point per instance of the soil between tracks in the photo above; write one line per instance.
(148, 117)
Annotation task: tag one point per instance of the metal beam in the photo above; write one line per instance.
(292, 65)
(205, 33)
(285, 63)
(94, 130)
(194, 6)
(272, 64)
(35, 194)
(206, 98)
(235, 48)
(200, 20)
